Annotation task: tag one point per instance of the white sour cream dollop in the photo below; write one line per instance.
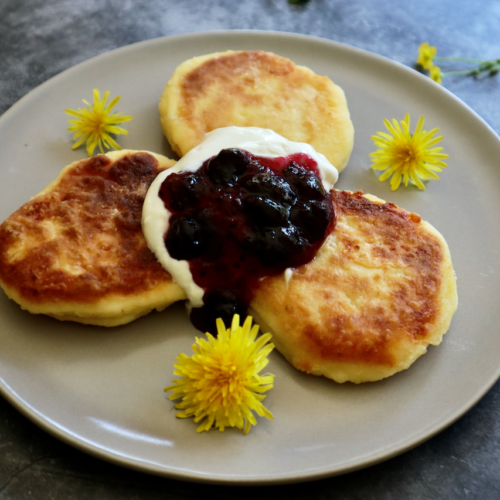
(258, 141)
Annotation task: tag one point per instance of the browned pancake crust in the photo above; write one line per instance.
(81, 241)
(256, 89)
(380, 290)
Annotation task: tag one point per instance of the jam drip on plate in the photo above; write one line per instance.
(240, 218)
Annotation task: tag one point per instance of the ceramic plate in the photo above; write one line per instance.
(101, 390)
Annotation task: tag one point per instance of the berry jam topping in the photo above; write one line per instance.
(240, 218)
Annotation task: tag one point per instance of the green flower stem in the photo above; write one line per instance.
(426, 58)
(492, 69)
(482, 65)
(489, 64)
(462, 59)
(495, 69)
(463, 72)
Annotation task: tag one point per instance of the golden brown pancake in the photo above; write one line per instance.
(76, 250)
(381, 289)
(256, 89)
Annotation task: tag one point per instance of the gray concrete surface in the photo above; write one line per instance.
(40, 38)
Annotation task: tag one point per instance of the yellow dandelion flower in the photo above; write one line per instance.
(406, 156)
(435, 74)
(95, 124)
(220, 384)
(426, 55)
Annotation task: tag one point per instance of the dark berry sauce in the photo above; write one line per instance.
(240, 218)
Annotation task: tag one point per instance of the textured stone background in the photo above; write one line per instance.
(40, 38)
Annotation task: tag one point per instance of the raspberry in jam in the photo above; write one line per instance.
(240, 218)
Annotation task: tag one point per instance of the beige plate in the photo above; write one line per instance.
(101, 390)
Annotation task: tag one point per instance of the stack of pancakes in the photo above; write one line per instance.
(381, 289)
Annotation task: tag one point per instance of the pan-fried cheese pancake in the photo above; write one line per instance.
(256, 89)
(76, 251)
(381, 289)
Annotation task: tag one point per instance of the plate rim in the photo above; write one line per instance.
(64, 435)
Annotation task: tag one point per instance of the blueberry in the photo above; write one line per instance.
(312, 219)
(254, 167)
(265, 212)
(227, 167)
(306, 184)
(270, 186)
(182, 192)
(209, 229)
(218, 303)
(280, 246)
(184, 239)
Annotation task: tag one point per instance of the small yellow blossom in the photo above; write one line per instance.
(406, 156)
(435, 74)
(426, 54)
(220, 384)
(95, 124)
